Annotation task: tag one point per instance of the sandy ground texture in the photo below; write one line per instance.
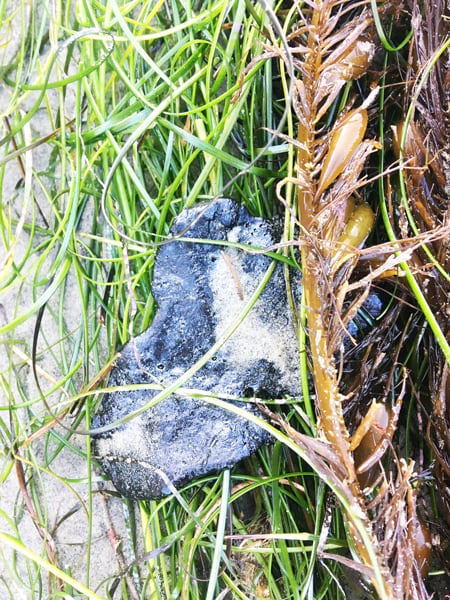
(78, 531)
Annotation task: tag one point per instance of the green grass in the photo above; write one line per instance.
(114, 119)
(137, 111)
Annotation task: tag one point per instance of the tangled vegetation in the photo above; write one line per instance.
(333, 113)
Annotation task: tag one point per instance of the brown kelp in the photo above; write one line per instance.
(332, 47)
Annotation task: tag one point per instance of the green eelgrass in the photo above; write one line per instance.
(139, 110)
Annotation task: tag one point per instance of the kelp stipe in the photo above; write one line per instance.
(333, 45)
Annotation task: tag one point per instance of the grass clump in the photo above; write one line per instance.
(114, 119)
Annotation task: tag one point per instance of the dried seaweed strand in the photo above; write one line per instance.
(337, 49)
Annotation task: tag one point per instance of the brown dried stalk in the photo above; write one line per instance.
(333, 47)
(329, 164)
